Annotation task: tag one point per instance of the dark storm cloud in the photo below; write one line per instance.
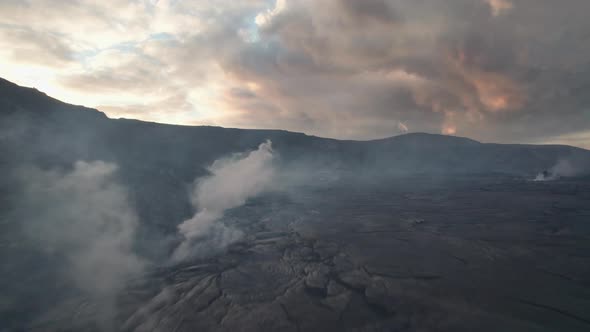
(370, 11)
(494, 70)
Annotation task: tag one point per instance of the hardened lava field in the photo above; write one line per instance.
(419, 253)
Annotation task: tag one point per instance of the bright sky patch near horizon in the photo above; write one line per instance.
(493, 70)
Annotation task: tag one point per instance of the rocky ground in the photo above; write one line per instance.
(421, 254)
(414, 254)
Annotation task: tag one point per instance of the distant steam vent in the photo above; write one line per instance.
(563, 168)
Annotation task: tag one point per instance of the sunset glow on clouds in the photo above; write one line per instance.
(494, 70)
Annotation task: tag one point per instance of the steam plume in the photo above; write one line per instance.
(85, 217)
(232, 182)
(563, 168)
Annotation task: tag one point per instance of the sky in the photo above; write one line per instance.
(493, 70)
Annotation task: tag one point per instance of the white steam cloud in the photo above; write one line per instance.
(85, 217)
(402, 127)
(232, 182)
(563, 168)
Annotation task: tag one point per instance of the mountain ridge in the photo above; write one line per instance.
(8, 88)
(39, 129)
(61, 106)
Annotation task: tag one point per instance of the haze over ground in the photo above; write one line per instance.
(294, 165)
(493, 70)
(114, 224)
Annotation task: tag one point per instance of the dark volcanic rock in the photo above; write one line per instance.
(411, 233)
(356, 279)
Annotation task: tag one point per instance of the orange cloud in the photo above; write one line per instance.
(497, 92)
(494, 91)
(449, 130)
(498, 7)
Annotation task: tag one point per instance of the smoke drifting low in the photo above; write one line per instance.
(85, 217)
(563, 168)
(233, 180)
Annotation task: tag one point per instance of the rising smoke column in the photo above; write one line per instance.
(84, 216)
(563, 168)
(233, 180)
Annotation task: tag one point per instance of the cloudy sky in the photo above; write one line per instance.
(493, 70)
